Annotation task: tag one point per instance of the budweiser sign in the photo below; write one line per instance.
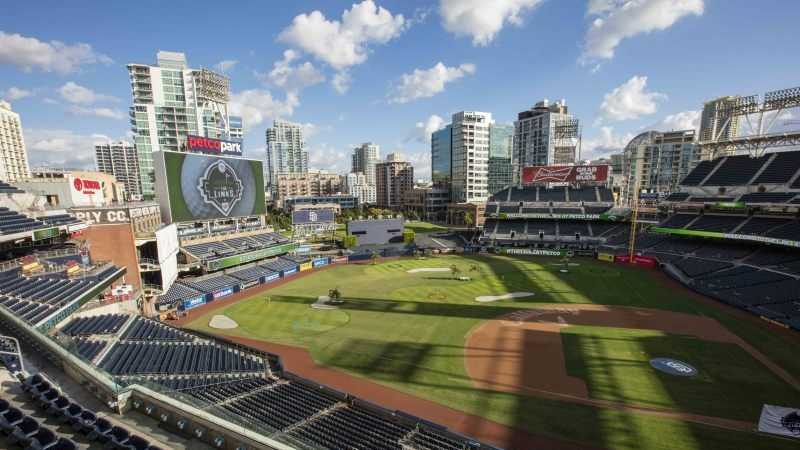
(213, 146)
(564, 174)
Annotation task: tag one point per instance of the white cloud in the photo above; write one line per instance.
(75, 93)
(684, 120)
(345, 43)
(106, 113)
(615, 20)
(61, 148)
(424, 83)
(257, 105)
(293, 78)
(422, 130)
(482, 19)
(421, 161)
(30, 53)
(341, 82)
(630, 100)
(225, 65)
(604, 143)
(327, 157)
(14, 93)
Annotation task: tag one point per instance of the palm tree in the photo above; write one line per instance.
(374, 257)
(455, 270)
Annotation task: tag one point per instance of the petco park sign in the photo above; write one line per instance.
(213, 146)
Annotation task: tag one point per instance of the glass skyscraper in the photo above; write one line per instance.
(500, 139)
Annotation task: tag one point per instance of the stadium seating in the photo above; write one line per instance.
(718, 223)
(552, 195)
(767, 197)
(677, 197)
(736, 170)
(175, 294)
(6, 188)
(780, 170)
(678, 220)
(102, 324)
(14, 222)
(250, 273)
(212, 284)
(586, 194)
(522, 195)
(142, 329)
(278, 264)
(147, 357)
(88, 348)
(699, 173)
(225, 247)
(59, 219)
(35, 298)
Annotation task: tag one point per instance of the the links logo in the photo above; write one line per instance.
(221, 187)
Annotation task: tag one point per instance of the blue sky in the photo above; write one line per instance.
(622, 65)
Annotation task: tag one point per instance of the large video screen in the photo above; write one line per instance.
(210, 187)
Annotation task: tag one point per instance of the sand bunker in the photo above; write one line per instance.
(222, 322)
(322, 303)
(429, 269)
(494, 298)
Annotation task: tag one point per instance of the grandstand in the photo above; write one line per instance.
(221, 252)
(228, 382)
(559, 216)
(746, 254)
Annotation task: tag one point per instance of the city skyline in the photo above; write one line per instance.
(409, 66)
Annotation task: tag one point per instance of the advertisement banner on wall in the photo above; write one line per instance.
(339, 260)
(249, 284)
(609, 257)
(270, 277)
(646, 261)
(533, 252)
(718, 235)
(193, 302)
(564, 174)
(85, 191)
(305, 266)
(291, 271)
(203, 187)
(319, 262)
(222, 293)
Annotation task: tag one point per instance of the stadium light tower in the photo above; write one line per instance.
(759, 138)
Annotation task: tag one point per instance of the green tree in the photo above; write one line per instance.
(469, 219)
(374, 257)
(455, 271)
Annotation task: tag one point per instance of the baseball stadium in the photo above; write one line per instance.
(558, 320)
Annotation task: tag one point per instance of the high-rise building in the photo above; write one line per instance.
(13, 155)
(236, 128)
(469, 172)
(656, 162)
(286, 151)
(310, 183)
(544, 135)
(501, 137)
(393, 179)
(120, 159)
(715, 122)
(356, 184)
(171, 101)
(365, 156)
(441, 156)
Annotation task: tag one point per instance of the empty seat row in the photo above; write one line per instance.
(133, 358)
(102, 324)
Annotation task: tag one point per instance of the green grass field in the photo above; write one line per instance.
(408, 330)
(423, 227)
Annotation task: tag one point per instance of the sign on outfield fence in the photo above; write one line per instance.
(780, 420)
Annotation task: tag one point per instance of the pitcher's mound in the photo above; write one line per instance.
(494, 298)
(323, 302)
(222, 322)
